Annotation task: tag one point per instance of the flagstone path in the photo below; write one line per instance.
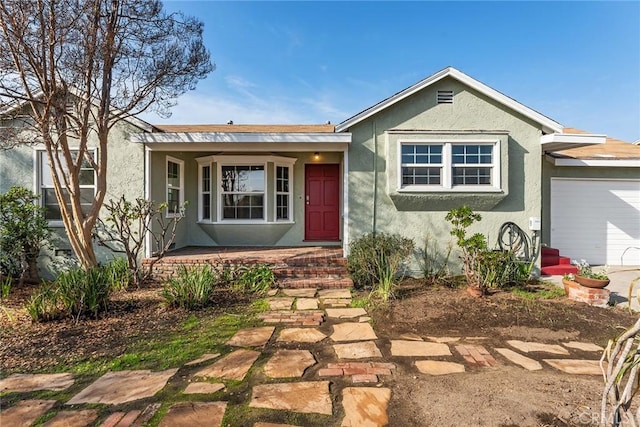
(344, 384)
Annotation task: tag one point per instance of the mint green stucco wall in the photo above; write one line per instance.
(373, 201)
(550, 171)
(125, 175)
(192, 233)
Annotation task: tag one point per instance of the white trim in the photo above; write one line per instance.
(563, 141)
(289, 167)
(201, 166)
(241, 137)
(547, 124)
(147, 196)
(236, 161)
(248, 147)
(446, 179)
(345, 203)
(247, 159)
(621, 163)
(180, 188)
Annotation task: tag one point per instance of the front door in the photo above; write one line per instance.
(322, 202)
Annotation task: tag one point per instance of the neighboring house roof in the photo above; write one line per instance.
(613, 152)
(232, 128)
(548, 125)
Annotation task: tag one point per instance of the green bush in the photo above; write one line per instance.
(192, 288)
(23, 232)
(118, 274)
(377, 260)
(256, 280)
(76, 292)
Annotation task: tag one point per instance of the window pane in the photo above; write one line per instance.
(244, 179)
(282, 206)
(472, 176)
(52, 207)
(173, 200)
(420, 176)
(206, 206)
(421, 154)
(173, 174)
(472, 154)
(206, 178)
(242, 206)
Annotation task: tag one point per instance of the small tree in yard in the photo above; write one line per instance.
(126, 226)
(23, 231)
(74, 69)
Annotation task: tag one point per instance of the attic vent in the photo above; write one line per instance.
(445, 97)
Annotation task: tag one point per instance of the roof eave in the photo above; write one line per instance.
(563, 141)
(240, 137)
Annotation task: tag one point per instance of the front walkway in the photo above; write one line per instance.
(315, 362)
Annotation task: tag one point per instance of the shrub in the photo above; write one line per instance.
(23, 232)
(377, 260)
(192, 288)
(76, 292)
(256, 280)
(118, 274)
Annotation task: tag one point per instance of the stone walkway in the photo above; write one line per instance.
(347, 387)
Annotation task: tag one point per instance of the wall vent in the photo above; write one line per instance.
(445, 97)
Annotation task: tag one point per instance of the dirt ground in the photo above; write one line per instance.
(506, 395)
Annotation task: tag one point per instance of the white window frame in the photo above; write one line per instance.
(42, 162)
(202, 192)
(446, 182)
(289, 194)
(180, 187)
(247, 160)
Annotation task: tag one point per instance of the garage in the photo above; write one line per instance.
(596, 219)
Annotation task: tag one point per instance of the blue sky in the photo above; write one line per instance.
(309, 62)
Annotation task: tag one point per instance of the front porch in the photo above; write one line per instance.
(321, 267)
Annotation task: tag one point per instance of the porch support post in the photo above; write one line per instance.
(147, 194)
(345, 203)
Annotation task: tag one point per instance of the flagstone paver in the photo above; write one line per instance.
(304, 397)
(532, 347)
(252, 337)
(233, 366)
(418, 348)
(476, 355)
(345, 313)
(584, 346)
(298, 318)
(280, 303)
(517, 358)
(363, 319)
(194, 414)
(306, 304)
(357, 350)
(301, 293)
(576, 366)
(272, 292)
(353, 332)
(289, 363)
(410, 337)
(147, 413)
(336, 302)
(356, 368)
(444, 340)
(121, 419)
(72, 418)
(204, 358)
(24, 413)
(436, 367)
(20, 383)
(114, 388)
(365, 406)
(335, 293)
(306, 335)
(273, 425)
(203, 388)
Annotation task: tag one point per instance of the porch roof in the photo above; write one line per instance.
(193, 136)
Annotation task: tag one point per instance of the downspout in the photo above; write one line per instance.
(375, 179)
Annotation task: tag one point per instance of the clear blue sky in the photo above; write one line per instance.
(308, 62)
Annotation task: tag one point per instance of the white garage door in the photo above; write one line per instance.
(596, 220)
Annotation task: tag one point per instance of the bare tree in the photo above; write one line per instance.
(75, 68)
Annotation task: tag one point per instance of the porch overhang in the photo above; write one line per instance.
(562, 141)
(243, 141)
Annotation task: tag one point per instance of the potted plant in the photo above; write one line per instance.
(587, 277)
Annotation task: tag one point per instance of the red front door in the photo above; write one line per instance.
(322, 201)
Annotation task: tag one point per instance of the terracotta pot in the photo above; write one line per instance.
(591, 283)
